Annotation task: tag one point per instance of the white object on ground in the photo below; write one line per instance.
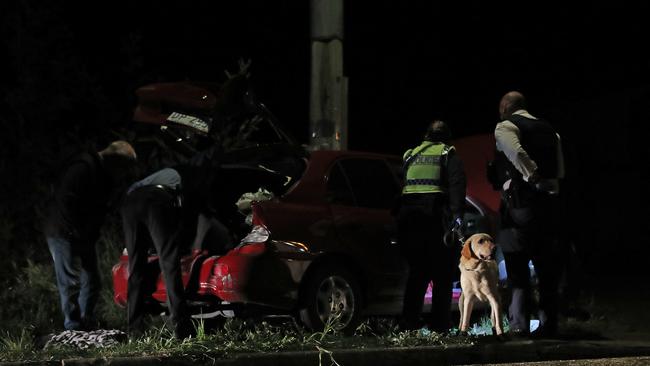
(102, 338)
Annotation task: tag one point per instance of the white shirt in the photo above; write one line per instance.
(508, 140)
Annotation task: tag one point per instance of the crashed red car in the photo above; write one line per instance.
(325, 243)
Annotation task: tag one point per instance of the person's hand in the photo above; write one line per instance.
(454, 234)
(457, 224)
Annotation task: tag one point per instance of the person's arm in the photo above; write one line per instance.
(457, 184)
(508, 141)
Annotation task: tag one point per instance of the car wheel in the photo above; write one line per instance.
(331, 294)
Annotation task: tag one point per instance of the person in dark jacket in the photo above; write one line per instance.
(162, 210)
(433, 199)
(529, 165)
(81, 199)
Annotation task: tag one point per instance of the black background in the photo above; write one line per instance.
(72, 68)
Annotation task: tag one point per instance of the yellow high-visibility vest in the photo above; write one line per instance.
(423, 174)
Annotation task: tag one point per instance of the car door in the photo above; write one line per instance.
(361, 193)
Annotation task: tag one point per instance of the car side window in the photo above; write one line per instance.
(372, 182)
(338, 188)
(397, 167)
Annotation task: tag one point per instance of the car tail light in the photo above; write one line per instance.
(221, 269)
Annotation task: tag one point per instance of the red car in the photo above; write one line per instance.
(326, 243)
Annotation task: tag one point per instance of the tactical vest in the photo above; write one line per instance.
(539, 140)
(423, 171)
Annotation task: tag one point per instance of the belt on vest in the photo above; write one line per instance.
(423, 182)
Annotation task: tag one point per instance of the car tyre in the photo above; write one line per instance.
(331, 292)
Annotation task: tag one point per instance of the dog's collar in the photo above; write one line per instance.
(471, 252)
(479, 261)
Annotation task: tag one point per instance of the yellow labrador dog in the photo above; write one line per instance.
(479, 280)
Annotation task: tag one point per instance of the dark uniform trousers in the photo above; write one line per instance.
(152, 215)
(420, 228)
(531, 233)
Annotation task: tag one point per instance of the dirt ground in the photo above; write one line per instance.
(619, 308)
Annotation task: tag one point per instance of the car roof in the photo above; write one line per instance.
(337, 154)
(311, 185)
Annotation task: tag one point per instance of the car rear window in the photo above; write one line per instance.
(371, 182)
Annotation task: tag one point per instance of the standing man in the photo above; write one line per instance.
(75, 215)
(529, 164)
(434, 190)
(162, 209)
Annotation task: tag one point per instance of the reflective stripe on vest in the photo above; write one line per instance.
(423, 174)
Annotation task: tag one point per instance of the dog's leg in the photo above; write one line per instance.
(493, 318)
(460, 309)
(467, 312)
(499, 318)
(495, 314)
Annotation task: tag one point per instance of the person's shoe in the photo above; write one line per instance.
(181, 334)
(73, 325)
(517, 334)
(185, 329)
(90, 324)
(135, 332)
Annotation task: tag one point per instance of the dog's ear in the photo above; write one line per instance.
(467, 251)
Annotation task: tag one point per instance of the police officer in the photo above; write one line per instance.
(432, 198)
(528, 164)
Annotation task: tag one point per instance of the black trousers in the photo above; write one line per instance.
(421, 230)
(150, 216)
(531, 233)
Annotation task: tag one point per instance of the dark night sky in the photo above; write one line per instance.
(582, 67)
(406, 61)
(456, 60)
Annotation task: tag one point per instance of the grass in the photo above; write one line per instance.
(234, 337)
(31, 298)
(15, 347)
(30, 309)
(238, 336)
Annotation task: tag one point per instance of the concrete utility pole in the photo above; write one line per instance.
(329, 88)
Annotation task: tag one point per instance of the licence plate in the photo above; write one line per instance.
(189, 121)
